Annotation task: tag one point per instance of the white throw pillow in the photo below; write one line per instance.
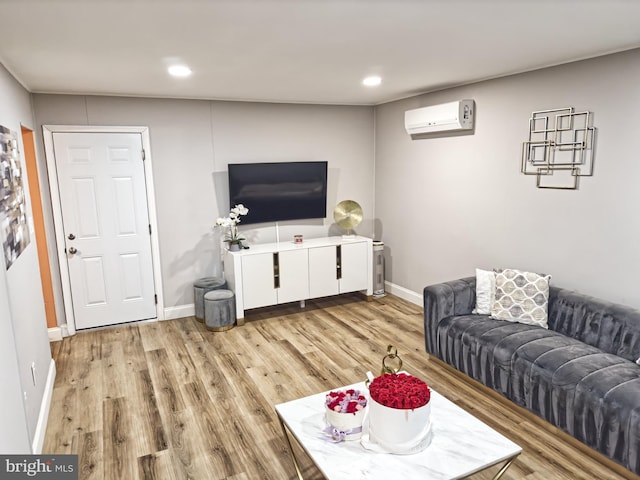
(485, 291)
(521, 297)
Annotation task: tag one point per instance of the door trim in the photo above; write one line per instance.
(31, 164)
(47, 133)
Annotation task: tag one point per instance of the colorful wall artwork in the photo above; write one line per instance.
(13, 209)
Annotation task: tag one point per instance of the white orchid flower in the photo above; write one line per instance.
(242, 210)
(234, 216)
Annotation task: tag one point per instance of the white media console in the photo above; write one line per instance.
(273, 273)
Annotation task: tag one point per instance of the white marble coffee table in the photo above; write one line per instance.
(460, 445)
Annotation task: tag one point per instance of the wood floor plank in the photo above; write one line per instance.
(156, 466)
(190, 458)
(221, 455)
(188, 329)
(132, 348)
(171, 400)
(63, 437)
(165, 381)
(215, 383)
(119, 460)
(90, 449)
(150, 420)
(152, 335)
(178, 354)
(114, 369)
(249, 398)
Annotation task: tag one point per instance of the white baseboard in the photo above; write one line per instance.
(58, 333)
(43, 417)
(404, 293)
(171, 313)
(55, 334)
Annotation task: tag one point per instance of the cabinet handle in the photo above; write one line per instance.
(276, 270)
(338, 262)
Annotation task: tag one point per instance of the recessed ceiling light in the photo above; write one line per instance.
(372, 81)
(179, 71)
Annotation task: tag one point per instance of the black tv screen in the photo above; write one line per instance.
(279, 191)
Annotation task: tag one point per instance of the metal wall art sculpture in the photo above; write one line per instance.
(560, 148)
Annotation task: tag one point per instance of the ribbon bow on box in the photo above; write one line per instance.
(336, 435)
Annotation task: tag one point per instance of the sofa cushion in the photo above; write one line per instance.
(620, 426)
(554, 375)
(482, 347)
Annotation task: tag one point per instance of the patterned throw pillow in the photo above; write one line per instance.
(521, 297)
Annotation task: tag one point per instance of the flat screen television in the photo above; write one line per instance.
(279, 191)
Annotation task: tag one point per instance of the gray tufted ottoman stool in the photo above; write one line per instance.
(200, 288)
(219, 310)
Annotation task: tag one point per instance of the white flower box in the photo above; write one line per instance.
(348, 423)
(399, 430)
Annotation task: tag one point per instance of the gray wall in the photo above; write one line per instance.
(23, 329)
(445, 206)
(14, 437)
(192, 141)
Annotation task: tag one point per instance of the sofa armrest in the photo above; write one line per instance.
(442, 300)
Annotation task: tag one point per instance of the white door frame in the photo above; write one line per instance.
(47, 132)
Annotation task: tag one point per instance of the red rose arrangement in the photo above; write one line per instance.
(399, 390)
(346, 401)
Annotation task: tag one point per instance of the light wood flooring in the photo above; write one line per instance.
(170, 400)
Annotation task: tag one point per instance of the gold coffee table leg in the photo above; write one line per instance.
(293, 457)
(498, 475)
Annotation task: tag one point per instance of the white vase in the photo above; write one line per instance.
(234, 247)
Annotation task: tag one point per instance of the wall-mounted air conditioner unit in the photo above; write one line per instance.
(440, 118)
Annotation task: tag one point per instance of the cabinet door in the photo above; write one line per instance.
(323, 279)
(257, 281)
(355, 267)
(294, 276)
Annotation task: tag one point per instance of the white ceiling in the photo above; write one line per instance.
(310, 51)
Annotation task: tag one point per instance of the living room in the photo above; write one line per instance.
(443, 206)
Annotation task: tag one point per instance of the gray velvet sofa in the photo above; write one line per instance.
(580, 374)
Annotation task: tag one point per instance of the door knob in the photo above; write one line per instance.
(72, 250)
(71, 236)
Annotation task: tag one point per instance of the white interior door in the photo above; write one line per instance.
(105, 218)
